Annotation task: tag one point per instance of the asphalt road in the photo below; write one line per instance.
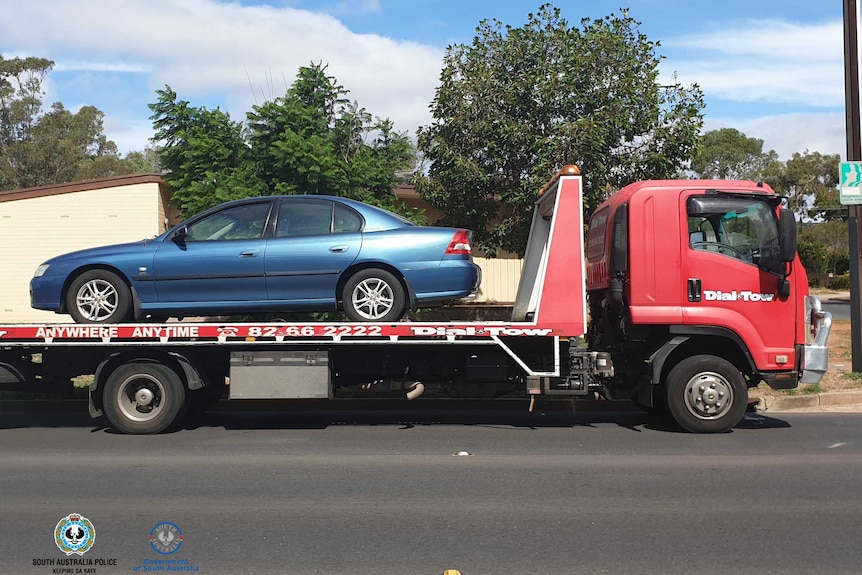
(838, 308)
(383, 493)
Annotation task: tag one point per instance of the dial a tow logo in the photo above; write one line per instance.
(166, 538)
(74, 534)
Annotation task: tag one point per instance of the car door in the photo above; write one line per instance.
(217, 258)
(314, 241)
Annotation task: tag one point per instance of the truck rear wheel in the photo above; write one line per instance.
(706, 394)
(143, 398)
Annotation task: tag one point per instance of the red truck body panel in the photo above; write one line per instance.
(738, 296)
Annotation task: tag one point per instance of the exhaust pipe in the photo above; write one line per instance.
(416, 389)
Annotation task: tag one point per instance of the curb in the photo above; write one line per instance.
(829, 399)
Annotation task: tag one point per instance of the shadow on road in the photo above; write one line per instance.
(513, 416)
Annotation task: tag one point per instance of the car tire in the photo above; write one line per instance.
(706, 394)
(374, 295)
(143, 398)
(98, 296)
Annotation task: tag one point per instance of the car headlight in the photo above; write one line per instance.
(40, 271)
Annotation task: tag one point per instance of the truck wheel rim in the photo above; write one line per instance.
(97, 299)
(708, 395)
(373, 298)
(139, 397)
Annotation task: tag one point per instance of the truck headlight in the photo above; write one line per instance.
(40, 271)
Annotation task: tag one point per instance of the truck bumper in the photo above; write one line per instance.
(816, 353)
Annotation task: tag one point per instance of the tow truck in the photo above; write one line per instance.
(680, 296)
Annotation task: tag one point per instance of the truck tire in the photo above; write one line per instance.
(373, 295)
(706, 394)
(98, 296)
(143, 398)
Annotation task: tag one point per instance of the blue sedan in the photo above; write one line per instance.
(267, 254)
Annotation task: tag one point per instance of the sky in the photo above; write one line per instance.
(772, 69)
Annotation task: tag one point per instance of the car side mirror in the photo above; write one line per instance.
(181, 234)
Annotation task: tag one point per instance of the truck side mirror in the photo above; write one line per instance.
(786, 235)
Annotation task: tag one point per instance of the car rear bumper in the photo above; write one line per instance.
(453, 280)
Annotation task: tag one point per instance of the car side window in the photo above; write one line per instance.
(346, 220)
(303, 218)
(244, 222)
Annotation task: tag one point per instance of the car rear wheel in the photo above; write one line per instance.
(374, 295)
(98, 296)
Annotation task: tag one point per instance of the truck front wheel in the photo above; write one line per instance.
(143, 398)
(706, 394)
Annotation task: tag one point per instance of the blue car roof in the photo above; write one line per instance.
(376, 218)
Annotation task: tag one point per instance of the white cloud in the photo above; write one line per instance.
(208, 49)
(99, 66)
(791, 133)
(765, 61)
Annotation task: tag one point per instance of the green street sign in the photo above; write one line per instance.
(850, 182)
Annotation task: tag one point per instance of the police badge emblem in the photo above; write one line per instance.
(74, 534)
(166, 538)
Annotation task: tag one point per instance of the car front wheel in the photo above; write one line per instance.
(374, 295)
(98, 296)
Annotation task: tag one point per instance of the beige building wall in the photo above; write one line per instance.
(500, 278)
(34, 229)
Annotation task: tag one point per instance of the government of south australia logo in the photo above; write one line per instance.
(74, 534)
(166, 538)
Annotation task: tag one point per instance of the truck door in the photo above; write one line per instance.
(732, 271)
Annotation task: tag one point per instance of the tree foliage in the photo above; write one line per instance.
(40, 148)
(312, 140)
(728, 154)
(517, 104)
(204, 153)
(809, 181)
(824, 247)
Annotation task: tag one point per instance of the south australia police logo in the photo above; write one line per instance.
(166, 538)
(74, 534)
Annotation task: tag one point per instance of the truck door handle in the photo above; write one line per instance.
(695, 291)
(339, 249)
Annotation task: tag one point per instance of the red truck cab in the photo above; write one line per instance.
(677, 269)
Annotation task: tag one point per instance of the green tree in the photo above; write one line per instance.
(728, 154)
(40, 148)
(814, 256)
(206, 159)
(517, 104)
(832, 241)
(312, 140)
(810, 181)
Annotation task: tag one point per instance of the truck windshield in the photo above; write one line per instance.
(742, 228)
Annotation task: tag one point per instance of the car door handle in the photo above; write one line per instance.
(248, 254)
(339, 249)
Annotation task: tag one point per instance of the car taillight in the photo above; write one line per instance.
(460, 244)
